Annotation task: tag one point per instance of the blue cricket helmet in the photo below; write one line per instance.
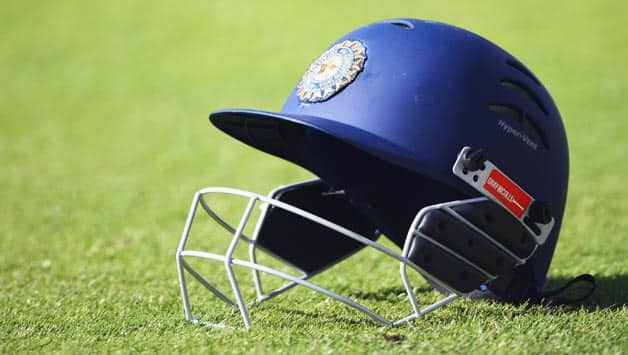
(382, 115)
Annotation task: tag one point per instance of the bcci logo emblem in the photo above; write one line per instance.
(332, 71)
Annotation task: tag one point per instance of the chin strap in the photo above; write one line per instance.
(518, 287)
(557, 298)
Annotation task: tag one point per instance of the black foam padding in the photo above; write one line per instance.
(500, 225)
(307, 245)
(454, 234)
(446, 267)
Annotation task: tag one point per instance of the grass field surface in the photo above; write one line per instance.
(104, 138)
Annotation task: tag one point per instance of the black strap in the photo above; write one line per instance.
(518, 287)
(556, 297)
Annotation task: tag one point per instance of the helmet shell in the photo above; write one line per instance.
(389, 138)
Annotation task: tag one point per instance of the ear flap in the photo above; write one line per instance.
(307, 245)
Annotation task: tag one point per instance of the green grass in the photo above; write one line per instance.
(104, 138)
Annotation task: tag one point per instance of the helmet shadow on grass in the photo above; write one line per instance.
(387, 293)
(611, 292)
(328, 318)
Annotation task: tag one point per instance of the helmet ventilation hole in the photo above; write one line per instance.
(506, 110)
(442, 226)
(519, 67)
(525, 91)
(515, 114)
(427, 257)
(533, 129)
(406, 25)
(471, 243)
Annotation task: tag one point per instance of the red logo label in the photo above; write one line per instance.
(507, 192)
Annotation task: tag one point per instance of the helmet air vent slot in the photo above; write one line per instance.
(506, 110)
(519, 67)
(515, 114)
(406, 25)
(525, 91)
(533, 129)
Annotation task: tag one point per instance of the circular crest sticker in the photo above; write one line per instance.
(332, 71)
